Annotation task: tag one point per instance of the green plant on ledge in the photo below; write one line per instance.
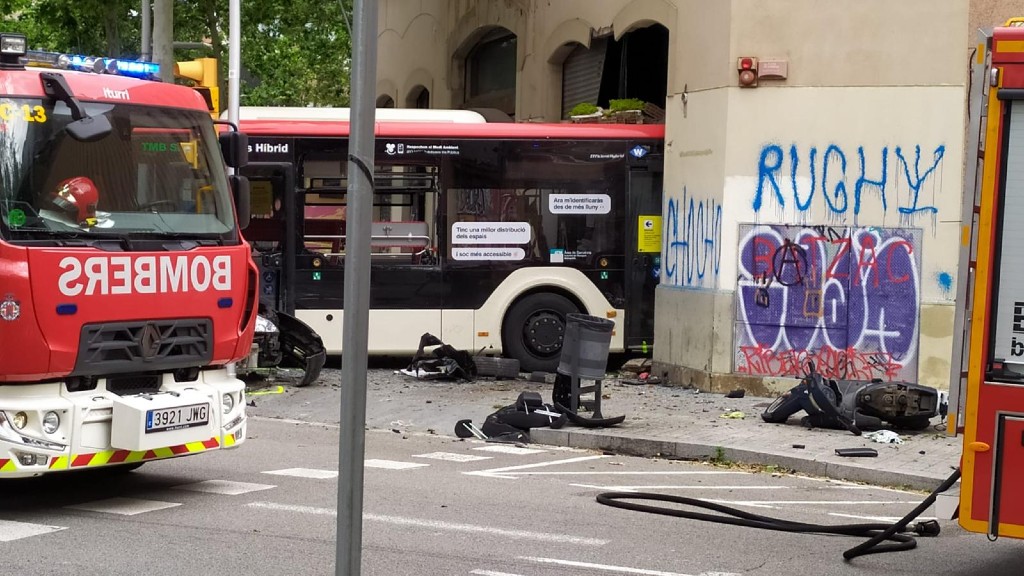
(583, 109)
(624, 105)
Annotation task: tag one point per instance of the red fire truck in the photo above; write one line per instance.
(126, 289)
(988, 404)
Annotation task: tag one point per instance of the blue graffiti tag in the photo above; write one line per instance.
(833, 168)
(919, 178)
(693, 241)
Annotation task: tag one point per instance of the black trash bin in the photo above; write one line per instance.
(585, 347)
(584, 356)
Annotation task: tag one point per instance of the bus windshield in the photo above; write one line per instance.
(157, 174)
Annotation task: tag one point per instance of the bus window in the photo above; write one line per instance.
(403, 228)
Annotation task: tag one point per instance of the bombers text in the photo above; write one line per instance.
(143, 274)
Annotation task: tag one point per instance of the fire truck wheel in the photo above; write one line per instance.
(534, 329)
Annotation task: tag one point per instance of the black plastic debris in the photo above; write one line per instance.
(857, 452)
(443, 362)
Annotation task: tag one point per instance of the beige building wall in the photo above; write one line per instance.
(872, 108)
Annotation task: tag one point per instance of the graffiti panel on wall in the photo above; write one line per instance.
(846, 298)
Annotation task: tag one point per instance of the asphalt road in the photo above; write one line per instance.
(435, 505)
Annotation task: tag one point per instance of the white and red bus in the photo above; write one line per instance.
(484, 234)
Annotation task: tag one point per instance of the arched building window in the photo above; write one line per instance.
(491, 72)
(634, 66)
(385, 101)
(418, 98)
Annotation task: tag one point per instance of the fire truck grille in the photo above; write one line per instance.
(144, 346)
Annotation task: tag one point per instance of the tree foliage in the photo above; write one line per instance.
(294, 52)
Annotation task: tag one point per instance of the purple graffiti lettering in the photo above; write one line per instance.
(854, 310)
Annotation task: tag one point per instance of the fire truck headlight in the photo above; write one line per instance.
(227, 403)
(264, 325)
(19, 420)
(51, 422)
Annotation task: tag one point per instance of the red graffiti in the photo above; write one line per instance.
(848, 364)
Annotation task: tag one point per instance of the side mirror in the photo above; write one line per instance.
(243, 205)
(235, 148)
(90, 128)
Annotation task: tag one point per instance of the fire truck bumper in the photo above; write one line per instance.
(45, 428)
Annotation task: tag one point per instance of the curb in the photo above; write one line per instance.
(655, 448)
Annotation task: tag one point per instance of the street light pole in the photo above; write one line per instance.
(234, 57)
(146, 50)
(163, 38)
(351, 444)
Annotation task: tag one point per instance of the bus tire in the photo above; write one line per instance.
(534, 329)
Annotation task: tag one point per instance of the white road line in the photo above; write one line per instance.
(816, 502)
(452, 457)
(775, 504)
(509, 450)
(305, 473)
(124, 506)
(11, 530)
(676, 487)
(619, 569)
(884, 519)
(225, 487)
(392, 464)
(492, 573)
(294, 508)
(626, 473)
(442, 526)
(510, 472)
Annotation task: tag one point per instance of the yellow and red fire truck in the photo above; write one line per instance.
(127, 292)
(988, 405)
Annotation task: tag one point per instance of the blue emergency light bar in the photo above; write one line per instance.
(132, 68)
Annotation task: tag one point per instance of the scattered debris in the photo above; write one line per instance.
(857, 452)
(737, 393)
(734, 415)
(799, 446)
(855, 404)
(884, 437)
(444, 362)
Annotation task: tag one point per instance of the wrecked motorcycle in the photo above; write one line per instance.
(856, 404)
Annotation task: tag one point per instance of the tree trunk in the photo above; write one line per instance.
(110, 26)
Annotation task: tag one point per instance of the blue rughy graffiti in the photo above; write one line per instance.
(693, 241)
(832, 168)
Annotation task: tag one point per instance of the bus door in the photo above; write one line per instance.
(643, 246)
(405, 275)
(991, 500)
(272, 231)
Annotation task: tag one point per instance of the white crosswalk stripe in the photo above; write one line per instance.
(124, 506)
(305, 473)
(225, 487)
(509, 450)
(452, 457)
(11, 530)
(392, 464)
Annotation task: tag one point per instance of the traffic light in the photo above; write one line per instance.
(203, 71)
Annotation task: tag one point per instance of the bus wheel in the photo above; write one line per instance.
(534, 329)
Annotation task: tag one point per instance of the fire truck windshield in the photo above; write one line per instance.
(157, 174)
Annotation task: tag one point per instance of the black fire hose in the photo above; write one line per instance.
(877, 533)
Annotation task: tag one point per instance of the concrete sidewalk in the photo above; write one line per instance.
(661, 421)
